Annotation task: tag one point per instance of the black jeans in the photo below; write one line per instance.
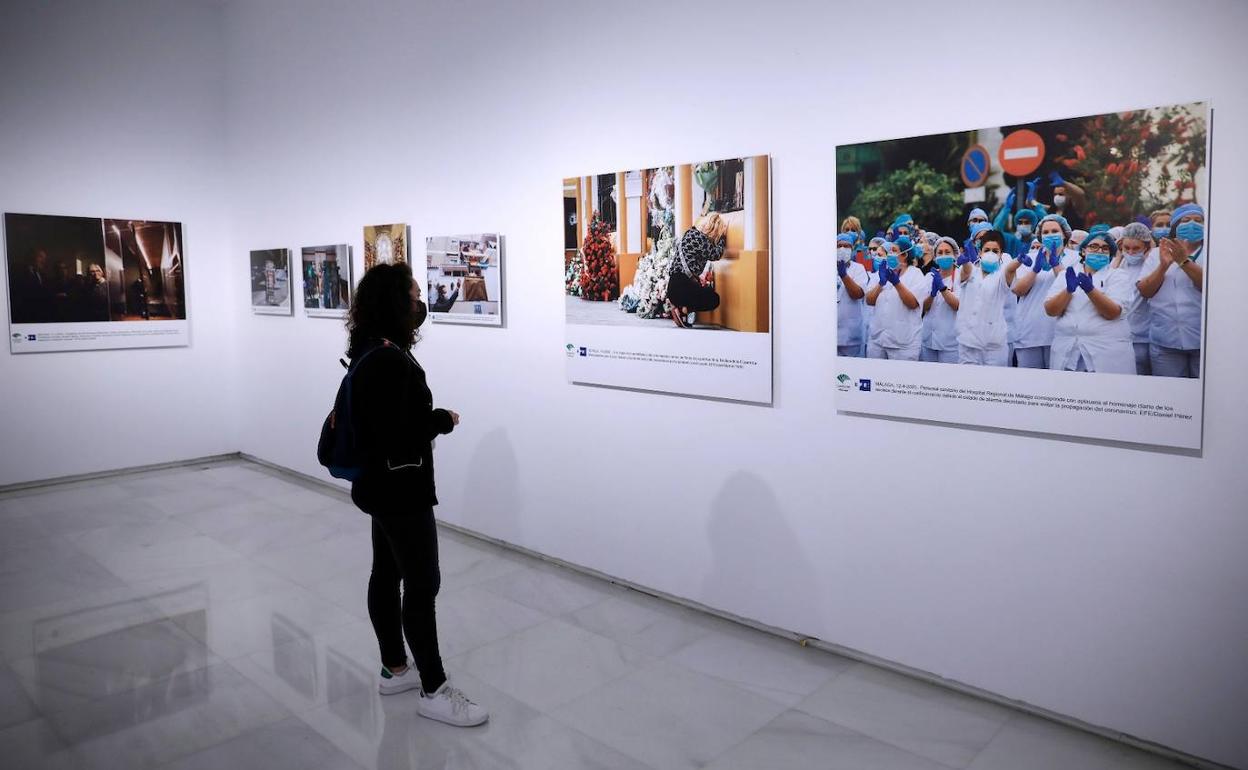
(405, 547)
(683, 291)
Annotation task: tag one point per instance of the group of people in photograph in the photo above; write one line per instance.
(69, 290)
(1027, 290)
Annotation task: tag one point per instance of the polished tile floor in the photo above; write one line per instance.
(214, 617)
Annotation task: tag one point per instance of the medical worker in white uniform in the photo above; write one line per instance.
(1089, 302)
(851, 277)
(896, 325)
(1133, 248)
(983, 286)
(1047, 258)
(1172, 280)
(940, 307)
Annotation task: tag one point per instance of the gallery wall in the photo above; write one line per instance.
(1102, 582)
(117, 110)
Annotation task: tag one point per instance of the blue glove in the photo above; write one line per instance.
(1041, 263)
(966, 258)
(842, 268)
(938, 283)
(883, 274)
(1055, 179)
(1055, 257)
(1031, 188)
(1072, 280)
(894, 276)
(1085, 283)
(1009, 201)
(1027, 260)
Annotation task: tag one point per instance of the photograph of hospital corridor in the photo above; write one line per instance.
(1072, 244)
(673, 247)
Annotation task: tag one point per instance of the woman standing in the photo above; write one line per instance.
(394, 423)
(1092, 333)
(691, 278)
(940, 307)
(1172, 280)
(898, 317)
(1033, 326)
(850, 280)
(981, 324)
(1133, 248)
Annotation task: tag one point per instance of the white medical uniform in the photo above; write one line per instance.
(1034, 327)
(1174, 321)
(1084, 339)
(940, 335)
(981, 329)
(849, 331)
(1138, 315)
(896, 330)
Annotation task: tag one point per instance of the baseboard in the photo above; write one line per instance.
(325, 486)
(24, 486)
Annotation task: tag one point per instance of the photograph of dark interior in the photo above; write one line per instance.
(57, 270)
(145, 269)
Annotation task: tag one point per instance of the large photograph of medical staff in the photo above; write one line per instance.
(1073, 245)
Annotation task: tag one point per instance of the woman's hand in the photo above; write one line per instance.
(454, 416)
(1172, 252)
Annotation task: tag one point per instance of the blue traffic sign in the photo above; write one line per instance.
(976, 165)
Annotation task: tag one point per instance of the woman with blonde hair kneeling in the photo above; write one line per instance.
(691, 279)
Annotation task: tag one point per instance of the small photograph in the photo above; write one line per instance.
(144, 266)
(685, 246)
(327, 280)
(385, 244)
(270, 282)
(57, 269)
(465, 278)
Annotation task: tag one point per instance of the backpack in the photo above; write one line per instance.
(336, 449)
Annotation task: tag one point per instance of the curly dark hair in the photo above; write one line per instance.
(382, 307)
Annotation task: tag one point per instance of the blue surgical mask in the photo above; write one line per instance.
(1192, 232)
(1052, 242)
(842, 254)
(989, 262)
(1096, 261)
(893, 262)
(876, 262)
(1024, 231)
(944, 262)
(1161, 232)
(1133, 259)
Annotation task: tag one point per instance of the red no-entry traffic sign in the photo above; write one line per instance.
(1021, 152)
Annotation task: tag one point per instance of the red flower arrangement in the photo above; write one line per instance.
(600, 276)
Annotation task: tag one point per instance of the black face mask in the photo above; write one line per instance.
(421, 313)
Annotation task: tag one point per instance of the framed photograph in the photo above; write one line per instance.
(327, 280)
(465, 278)
(667, 278)
(89, 283)
(270, 282)
(385, 243)
(1045, 276)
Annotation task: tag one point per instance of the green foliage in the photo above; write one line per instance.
(918, 189)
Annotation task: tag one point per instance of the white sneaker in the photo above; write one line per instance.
(451, 706)
(389, 683)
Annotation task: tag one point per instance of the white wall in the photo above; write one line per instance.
(1119, 601)
(117, 109)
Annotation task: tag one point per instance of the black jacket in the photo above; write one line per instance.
(395, 423)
